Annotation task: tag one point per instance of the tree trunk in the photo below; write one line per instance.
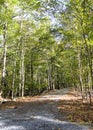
(4, 73)
(51, 84)
(80, 71)
(22, 72)
(31, 68)
(13, 80)
(19, 90)
(22, 67)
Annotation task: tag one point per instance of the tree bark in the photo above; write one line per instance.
(80, 71)
(22, 66)
(13, 80)
(22, 72)
(4, 73)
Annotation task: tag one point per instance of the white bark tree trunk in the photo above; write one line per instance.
(4, 55)
(13, 80)
(22, 66)
(22, 71)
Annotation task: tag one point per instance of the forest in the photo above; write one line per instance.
(46, 63)
(45, 45)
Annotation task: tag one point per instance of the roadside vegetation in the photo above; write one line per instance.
(47, 45)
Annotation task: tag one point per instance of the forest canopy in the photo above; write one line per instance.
(45, 45)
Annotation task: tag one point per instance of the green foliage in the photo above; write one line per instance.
(54, 55)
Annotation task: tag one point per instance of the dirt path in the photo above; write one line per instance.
(37, 113)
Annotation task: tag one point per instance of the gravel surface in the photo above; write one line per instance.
(41, 114)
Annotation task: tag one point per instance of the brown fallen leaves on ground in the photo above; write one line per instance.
(69, 105)
(76, 110)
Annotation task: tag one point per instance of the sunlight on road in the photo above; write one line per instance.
(38, 113)
(48, 119)
(52, 97)
(58, 97)
(13, 128)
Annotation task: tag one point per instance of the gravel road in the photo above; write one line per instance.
(40, 114)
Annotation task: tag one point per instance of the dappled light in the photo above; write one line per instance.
(48, 111)
(46, 64)
(48, 119)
